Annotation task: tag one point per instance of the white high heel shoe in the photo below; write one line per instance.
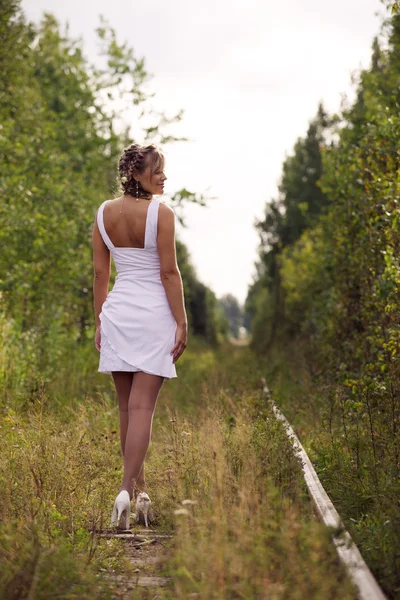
(121, 511)
(143, 509)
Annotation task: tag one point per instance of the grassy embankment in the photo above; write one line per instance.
(362, 485)
(252, 532)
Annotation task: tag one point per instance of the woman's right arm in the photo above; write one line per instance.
(171, 276)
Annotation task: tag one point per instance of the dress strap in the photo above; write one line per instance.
(151, 224)
(100, 223)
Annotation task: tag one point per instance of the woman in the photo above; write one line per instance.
(141, 325)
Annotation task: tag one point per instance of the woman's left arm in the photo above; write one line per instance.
(102, 269)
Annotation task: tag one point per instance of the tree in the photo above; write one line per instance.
(298, 207)
(59, 151)
(233, 313)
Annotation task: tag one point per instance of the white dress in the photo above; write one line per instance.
(137, 325)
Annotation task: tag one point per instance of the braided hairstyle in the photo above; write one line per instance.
(133, 161)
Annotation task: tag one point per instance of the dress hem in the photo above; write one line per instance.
(138, 369)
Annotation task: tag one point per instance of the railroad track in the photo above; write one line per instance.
(349, 554)
(145, 550)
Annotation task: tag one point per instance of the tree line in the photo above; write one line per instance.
(59, 149)
(328, 278)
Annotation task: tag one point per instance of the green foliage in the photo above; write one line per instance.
(59, 150)
(215, 442)
(233, 312)
(205, 316)
(300, 200)
(335, 285)
(300, 204)
(56, 480)
(306, 282)
(251, 530)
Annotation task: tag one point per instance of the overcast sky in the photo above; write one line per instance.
(249, 75)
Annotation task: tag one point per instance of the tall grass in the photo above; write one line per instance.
(248, 531)
(363, 484)
(58, 469)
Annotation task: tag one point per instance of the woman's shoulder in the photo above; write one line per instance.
(165, 208)
(115, 200)
(104, 202)
(166, 217)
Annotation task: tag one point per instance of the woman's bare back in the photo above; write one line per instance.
(125, 221)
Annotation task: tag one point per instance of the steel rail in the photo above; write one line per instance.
(368, 588)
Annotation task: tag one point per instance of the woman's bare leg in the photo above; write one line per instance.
(123, 384)
(141, 405)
